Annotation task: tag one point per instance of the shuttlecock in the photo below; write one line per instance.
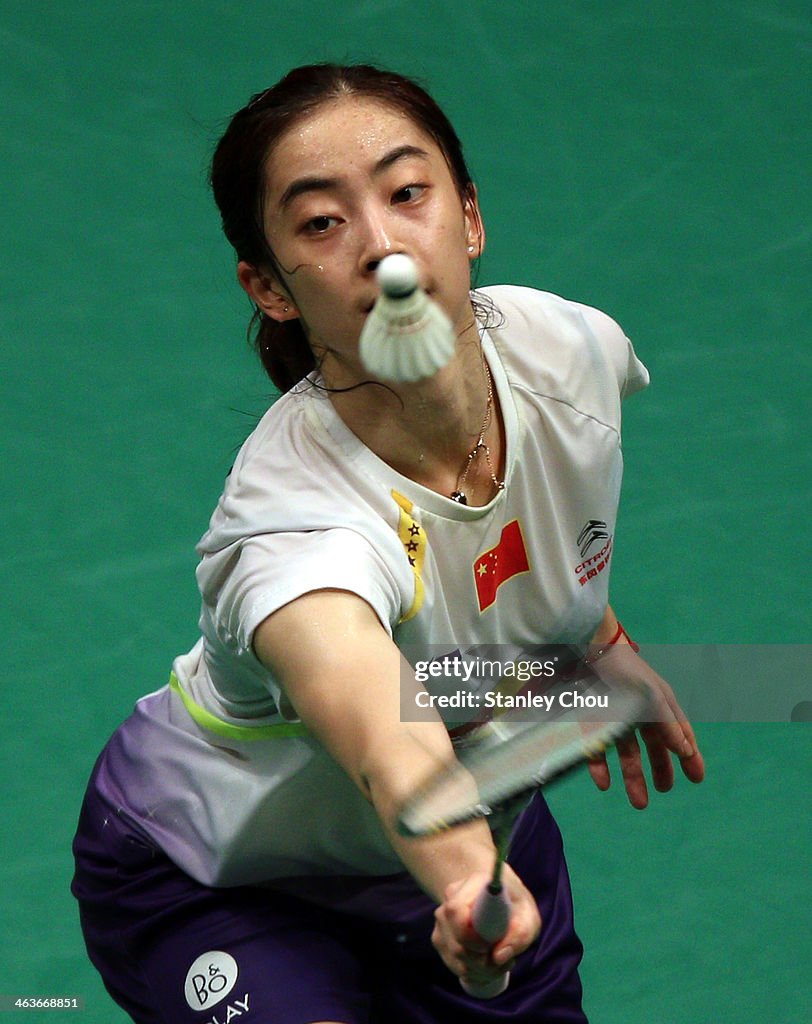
(406, 336)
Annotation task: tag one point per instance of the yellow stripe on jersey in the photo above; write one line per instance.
(413, 538)
(206, 720)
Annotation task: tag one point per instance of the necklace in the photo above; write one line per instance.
(458, 494)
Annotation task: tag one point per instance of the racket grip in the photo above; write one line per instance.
(490, 918)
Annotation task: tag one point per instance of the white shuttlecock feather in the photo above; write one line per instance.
(406, 336)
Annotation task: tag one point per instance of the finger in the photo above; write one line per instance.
(631, 765)
(455, 928)
(599, 770)
(466, 965)
(677, 732)
(454, 954)
(450, 953)
(525, 928)
(455, 922)
(474, 944)
(662, 768)
(452, 889)
(671, 729)
(678, 735)
(693, 767)
(503, 956)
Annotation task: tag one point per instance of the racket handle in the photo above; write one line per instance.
(490, 918)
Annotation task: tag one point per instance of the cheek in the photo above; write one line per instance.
(455, 266)
(305, 282)
(453, 280)
(323, 309)
(455, 241)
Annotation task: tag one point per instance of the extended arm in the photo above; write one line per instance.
(344, 676)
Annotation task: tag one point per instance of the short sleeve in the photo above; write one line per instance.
(268, 571)
(631, 374)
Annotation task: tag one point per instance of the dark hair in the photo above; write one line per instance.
(238, 177)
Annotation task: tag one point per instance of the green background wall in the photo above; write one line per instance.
(649, 158)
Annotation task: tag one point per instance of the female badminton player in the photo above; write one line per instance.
(236, 856)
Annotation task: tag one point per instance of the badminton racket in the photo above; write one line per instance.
(503, 763)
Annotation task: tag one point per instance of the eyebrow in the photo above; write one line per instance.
(316, 184)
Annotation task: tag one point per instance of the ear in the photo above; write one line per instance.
(474, 227)
(266, 293)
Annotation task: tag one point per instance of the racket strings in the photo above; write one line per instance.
(507, 760)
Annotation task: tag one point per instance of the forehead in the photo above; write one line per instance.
(347, 133)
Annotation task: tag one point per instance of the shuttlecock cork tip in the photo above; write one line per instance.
(397, 275)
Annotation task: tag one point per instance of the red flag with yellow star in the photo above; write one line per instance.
(495, 567)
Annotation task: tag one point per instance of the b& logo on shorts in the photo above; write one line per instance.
(210, 979)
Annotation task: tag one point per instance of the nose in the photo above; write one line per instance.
(378, 242)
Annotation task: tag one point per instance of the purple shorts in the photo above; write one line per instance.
(176, 952)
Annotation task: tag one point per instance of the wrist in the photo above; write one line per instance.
(620, 636)
(437, 861)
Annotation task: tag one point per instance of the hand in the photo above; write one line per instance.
(461, 949)
(668, 733)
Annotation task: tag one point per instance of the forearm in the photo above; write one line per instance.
(433, 861)
(349, 688)
(607, 631)
(436, 861)
(453, 868)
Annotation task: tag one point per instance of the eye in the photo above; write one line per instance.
(408, 194)
(318, 225)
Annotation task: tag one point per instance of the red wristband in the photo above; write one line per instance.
(619, 632)
(622, 632)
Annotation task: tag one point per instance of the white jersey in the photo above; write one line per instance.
(214, 766)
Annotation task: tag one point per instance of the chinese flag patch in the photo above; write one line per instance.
(495, 567)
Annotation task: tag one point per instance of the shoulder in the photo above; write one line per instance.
(550, 341)
(287, 476)
(298, 515)
(550, 318)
